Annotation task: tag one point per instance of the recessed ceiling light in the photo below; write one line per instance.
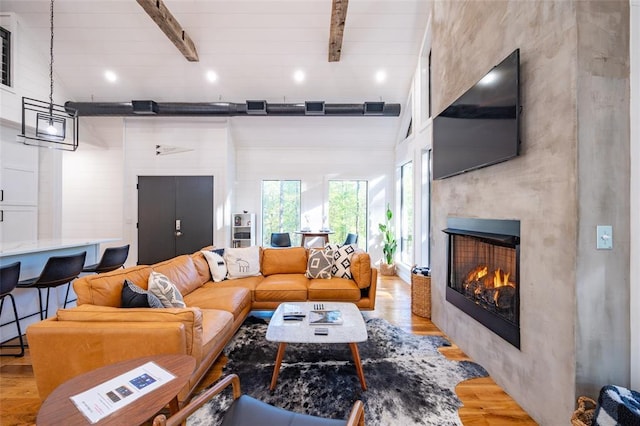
(298, 76)
(110, 76)
(212, 76)
(381, 76)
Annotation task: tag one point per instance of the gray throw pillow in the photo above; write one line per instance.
(165, 290)
(320, 264)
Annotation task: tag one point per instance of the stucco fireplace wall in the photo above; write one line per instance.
(573, 174)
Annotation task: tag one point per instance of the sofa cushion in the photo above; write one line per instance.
(336, 289)
(202, 267)
(320, 263)
(231, 299)
(242, 262)
(106, 289)
(217, 265)
(190, 318)
(135, 297)
(282, 287)
(182, 272)
(217, 326)
(361, 268)
(165, 290)
(289, 260)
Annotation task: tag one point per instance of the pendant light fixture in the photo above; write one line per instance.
(46, 124)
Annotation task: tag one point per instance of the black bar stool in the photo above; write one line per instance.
(58, 270)
(112, 258)
(9, 276)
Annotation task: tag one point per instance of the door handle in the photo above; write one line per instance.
(178, 232)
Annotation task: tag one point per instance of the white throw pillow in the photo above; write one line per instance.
(242, 262)
(165, 290)
(217, 265)
(342, 260)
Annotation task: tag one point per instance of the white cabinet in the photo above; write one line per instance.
(18, 190)
(243, 230)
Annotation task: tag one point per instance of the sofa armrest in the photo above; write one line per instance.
(191, 318)
(61, 350)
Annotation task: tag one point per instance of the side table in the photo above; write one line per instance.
(58, 408)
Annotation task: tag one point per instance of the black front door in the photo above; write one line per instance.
(175, 216)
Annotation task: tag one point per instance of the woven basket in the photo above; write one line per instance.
(421, 295)
(583, 416)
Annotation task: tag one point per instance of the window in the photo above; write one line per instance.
(6, 56)
(280, 207)
(426, 208)
(348, 209)
(406, 213)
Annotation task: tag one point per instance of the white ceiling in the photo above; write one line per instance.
(254, 46)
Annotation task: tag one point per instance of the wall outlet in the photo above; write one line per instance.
(605, 237)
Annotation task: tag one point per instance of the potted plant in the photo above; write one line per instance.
(389, 245)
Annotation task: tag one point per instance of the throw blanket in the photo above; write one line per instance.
(617, 406)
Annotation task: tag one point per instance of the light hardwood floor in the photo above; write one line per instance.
(485, 403)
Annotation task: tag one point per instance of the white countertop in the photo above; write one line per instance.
(25, 247)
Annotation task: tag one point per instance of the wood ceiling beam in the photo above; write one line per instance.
(338, 18)
(169, 25)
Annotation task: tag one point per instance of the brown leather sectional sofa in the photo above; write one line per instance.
(100, 332)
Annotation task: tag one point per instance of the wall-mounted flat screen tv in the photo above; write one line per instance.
(482, 126)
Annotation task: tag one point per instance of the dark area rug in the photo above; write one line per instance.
(409, 382)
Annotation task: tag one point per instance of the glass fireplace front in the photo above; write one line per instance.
(483, 272)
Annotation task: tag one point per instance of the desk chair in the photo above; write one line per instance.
(57, 271)
(112, 258)
(9, 275)
(351, 239)
(246, 410)
(280, 239)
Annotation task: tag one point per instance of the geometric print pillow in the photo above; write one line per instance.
(165, 290)
(320, 264)
(342, 260)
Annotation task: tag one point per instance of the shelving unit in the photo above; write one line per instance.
(243, 230)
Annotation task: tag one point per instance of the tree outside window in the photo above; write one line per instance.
(406, 213)
(280, 208)
(348, 209)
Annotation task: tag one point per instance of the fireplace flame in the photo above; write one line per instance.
(500, 278)
(477, 273)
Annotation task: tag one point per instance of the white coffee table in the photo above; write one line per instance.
(351, 331)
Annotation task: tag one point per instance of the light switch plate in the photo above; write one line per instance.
(605, 237)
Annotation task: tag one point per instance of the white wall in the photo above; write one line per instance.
(634, 194)
(207, 153)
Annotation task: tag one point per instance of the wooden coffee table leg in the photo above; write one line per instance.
(276, 368)
(358, 363)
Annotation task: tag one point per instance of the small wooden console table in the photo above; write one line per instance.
(58, 409)
(309, 235)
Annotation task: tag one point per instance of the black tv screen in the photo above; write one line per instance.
(482, 126)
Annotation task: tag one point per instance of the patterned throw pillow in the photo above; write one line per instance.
(242, 262)
(342, 260)
(165, 290)
(135, 297)
(217, 265)
(320, 264)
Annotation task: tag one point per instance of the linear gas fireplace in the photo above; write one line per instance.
(483, 273)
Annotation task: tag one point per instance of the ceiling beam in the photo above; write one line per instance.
(338, 18)
(157, 10)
